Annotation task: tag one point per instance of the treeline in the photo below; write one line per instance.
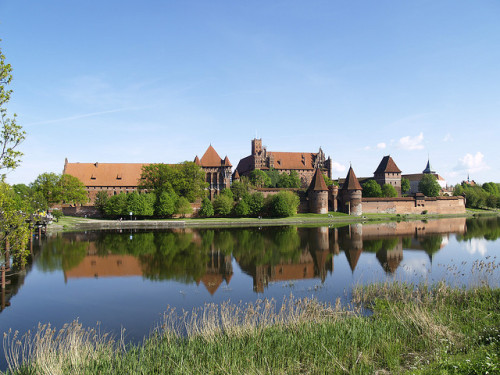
(486, 195)
(274, 179)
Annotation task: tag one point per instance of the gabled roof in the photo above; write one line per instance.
(236, 175)
(318, 182)
(106, 174)
(351, 182)
(387, 165)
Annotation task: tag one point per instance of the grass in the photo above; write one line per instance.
(417, 330)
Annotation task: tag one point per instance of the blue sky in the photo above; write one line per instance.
(158, 81)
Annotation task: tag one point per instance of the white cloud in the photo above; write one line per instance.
(447, 138)
(367, 148)
(472, 163)
(412, 143)
(476, 245)
(381, 145)
(337, 167)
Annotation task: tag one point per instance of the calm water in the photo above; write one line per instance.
(127, 279)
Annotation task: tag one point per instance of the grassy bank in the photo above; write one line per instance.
(412, 330)
(67, 223)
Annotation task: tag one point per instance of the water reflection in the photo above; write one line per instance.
(266, 254)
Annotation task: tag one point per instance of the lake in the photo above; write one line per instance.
(127, 279)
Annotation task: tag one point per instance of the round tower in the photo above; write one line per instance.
(350, 195)
(318, 194)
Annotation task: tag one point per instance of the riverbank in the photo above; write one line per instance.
(417, 330)
(68, 223)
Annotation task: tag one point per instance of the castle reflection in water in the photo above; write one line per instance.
(267, 254)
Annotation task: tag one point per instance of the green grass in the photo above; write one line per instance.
(414, 330)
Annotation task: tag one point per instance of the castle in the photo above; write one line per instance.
(316, 197)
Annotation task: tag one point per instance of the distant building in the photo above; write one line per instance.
(217, 171)
(304, 163)
(388, 172)
(417, 177)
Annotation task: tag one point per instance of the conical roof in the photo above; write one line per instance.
(211, 158)
(236, 175)
(197, 160)
(318, 182)
(428, 168)
(351, 181)
(227, 163)
(387, 165)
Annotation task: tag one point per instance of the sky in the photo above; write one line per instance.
(159, 81)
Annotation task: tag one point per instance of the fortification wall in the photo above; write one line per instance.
(411, 205)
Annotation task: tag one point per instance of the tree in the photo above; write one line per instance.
(255, 203)
(116, 205)
(274, 176)
(284, 204)
(405, 185)
(183, 207)
(47, 184)
(11, 134)
(290, 181)
(241, 209)
(71, 190)
(100, 201)
(166, 203)
(206, 209)
(429, 186)
(223, 205)
(259, 178)
(389, 191)
(371, 189)
(240, 189)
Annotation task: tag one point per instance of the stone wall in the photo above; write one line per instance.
(412, 205)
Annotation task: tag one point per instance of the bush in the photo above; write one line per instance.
(166, 203)
(241, 209)
(57, 214)
(371, 189)
(223, 205)
(389, 191)
(116, 205)
(206, 209)
(183, 207)
(255, 203)
(284, 204)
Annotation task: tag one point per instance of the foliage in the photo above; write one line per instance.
(274, 176)
(371, 189)
(283, 204)
(429, 186)
(13, 227)
(166, 203)
(47, 184)
(183, 207)
(240, 189)
(329, 181)
(71, 190)
(255, 202)
(223, 205)
(206, 209)
(100, 201)
(116, 205)
(227, 193)
(11, 134)
(405, 185)
(186, 179)
(259, 178)
(241, 209)
(28, 200)
(389, 191)
(290, 181)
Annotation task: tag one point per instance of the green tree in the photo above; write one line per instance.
(191, 182)
(429, 186)
(183, 207)
(274, 176)
(389, 191)
(100, 201)
(206, 209)
(371, 189)
(259, 178)
(116, 205)
(47, 184)
(405, 185)
(329, 181)
(135, 204)
(284, 204)
(157, 178)
(491, 188)
(11, 134)
(241, 209)
(255, 203)
(223, 205)
(166, 203)
(227, 193)
(240, 189)
(291, 181)
(71, 190)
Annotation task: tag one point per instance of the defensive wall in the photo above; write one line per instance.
(414, 205)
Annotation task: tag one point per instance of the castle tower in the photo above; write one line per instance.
(350, 195)
(388, 173)
(256, 146)
(318, 194)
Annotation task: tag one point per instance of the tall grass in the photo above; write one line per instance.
(417, 329)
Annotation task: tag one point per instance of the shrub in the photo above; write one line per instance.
(241, 209)
(284, 204)
(183, 207)
(206, 209)
(166, 203)
(223, 205)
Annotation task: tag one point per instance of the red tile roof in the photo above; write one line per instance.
(387, 165)
(292, 160)
(106, 174)
(351, 182)
(318, 182)
(212, 159)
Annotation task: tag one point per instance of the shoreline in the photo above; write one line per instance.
(82, 224)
